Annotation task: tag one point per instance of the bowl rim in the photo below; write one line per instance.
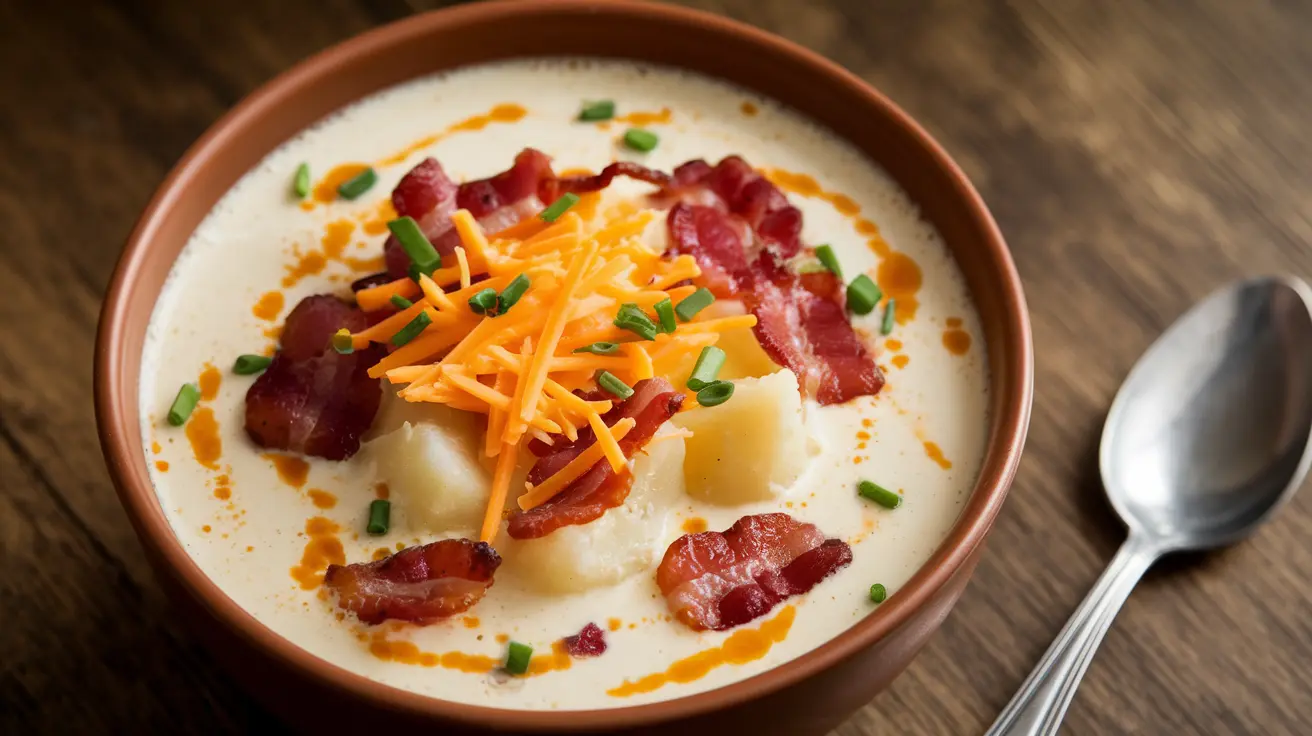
(156, 534)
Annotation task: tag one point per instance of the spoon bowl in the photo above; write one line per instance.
(1209, 434)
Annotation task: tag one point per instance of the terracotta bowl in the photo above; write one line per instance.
(810, 694)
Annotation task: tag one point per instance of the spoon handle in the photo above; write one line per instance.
(1038, 708)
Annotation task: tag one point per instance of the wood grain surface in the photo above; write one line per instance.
(1136, 154)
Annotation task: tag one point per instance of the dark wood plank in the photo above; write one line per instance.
(1136, 156)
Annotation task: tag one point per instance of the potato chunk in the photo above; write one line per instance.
(431, 464)
(743, 356)
(750, 448)
(626, 540)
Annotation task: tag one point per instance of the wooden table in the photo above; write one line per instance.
(1136, 158)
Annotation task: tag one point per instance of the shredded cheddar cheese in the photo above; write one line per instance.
(518, 367)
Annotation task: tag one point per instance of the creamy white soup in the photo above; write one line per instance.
(265, 524)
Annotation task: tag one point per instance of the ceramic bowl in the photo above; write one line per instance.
(810, 694)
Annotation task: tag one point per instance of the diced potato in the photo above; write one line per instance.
(750, 448)
(626, 540)
(395, 411)
(743, 356)
(431, 464)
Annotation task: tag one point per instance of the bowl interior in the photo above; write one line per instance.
(494, 31)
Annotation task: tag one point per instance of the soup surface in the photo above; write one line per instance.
(265, 526)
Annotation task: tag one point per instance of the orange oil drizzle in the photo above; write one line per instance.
(957, 341)
(269, 306)
(384, 647)
(503, 113)
(326, 190)
(292, 470)
(901, 361)
(323, 549)
(665, 115)
(203, 434)
(162, 466)
(321, 499)
(694, 525)
(749, 109)
(741, 647)
(897, 273)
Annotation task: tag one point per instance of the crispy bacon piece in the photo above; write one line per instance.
(802, 324)
(590, 642)
(497, 202)
(311, 399)
(418, 584)
(718, 580)
(740, 228)
(653, 402)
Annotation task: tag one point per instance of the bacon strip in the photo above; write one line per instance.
(497, 202)
(653, 402)
(311, 399)
(718, 580)
(418, 584)
(740, 228)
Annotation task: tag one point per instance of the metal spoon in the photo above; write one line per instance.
(1209, 435)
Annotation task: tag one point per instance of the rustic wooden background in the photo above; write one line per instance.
(1136, 154)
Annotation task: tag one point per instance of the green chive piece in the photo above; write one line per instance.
(830, 259)
(484, 301)
(813, 267)
(640, 140)
(415, 269)
(707, 368)
(878, 594)
(249, 365)
(183, 404)
(359, 184)
(613, 385)
(511, 294)
(889, 315)
(715, 393)
(301, 182)
(594, 112)
(380, 517)
(863, 294)
(878, 494)
(600, 348)
(342, 342)
(665, 313)
(401, 302)
(557, 208)
(694, 303)
(631, 317)
(412, 330)
(415, 244)
(517, 658)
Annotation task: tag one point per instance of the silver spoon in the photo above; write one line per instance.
(1209, 435)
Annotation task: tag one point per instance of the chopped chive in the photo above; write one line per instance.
(665, 313)
(301, 182)
(380, 517)
(249, 365)
(412, 330)
(401, 302)
(517, 658)
(557, 208)
(878, 594)
(183, 404)
(484, 301)
(863, 294)
(594, 112)
(640, 140)
(830, 260)
(415, 269)
(511, 294)
(889, 315)
(813, 267)
(359, 184)
(343, 342)
(879, 494)
(715, 393)
(613, 385)
(694, 303)
(600, 348)
(415, 244)
(707, 368)
(631, 317)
